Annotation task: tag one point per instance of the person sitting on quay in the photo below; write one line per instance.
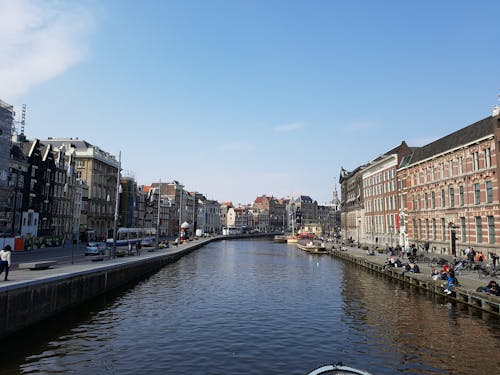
(435, 274)
(443, 275)
(451, 282)
(446, 267)
(411, 267)
(492, 288)
(394, 261)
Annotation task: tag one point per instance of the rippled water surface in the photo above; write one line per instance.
(256, 307)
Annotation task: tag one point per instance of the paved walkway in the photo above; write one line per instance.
(23, 277)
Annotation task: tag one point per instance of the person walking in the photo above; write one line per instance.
(5, 260)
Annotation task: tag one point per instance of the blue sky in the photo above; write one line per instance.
(241, 98)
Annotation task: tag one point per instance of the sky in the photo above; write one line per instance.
(238, 98)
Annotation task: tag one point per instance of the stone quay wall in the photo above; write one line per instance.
(464, 294)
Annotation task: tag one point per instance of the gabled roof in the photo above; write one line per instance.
(304, 198)
(456, 139)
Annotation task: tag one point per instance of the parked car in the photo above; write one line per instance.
(147, 243)
(95, 248)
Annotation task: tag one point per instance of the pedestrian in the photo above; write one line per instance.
(5, 261)
(495, 257)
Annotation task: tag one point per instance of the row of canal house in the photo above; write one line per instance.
(443, 195)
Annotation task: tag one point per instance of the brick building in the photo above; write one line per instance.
(449, 190)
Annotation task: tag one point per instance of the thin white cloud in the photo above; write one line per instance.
(289, 127)
(237, 146)
(39, 41)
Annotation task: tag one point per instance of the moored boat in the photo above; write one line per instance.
(312, 247)
(280, 239)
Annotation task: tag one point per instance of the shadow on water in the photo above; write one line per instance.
(34, 339)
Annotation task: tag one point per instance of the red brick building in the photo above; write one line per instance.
(448, 191)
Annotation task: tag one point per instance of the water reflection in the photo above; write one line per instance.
(255, 307)
(430, 336)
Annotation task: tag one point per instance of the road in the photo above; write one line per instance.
(60, 254)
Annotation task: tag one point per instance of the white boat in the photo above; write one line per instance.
(312, 247)
(338, 368)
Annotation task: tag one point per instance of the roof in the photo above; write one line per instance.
(456, 139)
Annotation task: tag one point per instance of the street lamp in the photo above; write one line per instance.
(358, 228)
(453, 237)
(158, 218)
(117, 197)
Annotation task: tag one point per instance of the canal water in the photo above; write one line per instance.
(256, 307)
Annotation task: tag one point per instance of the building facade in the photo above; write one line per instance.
(380, 217)
(6, 192)
(351, 204)
(450, 191)
(101, 171)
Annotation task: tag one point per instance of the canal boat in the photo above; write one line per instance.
(280, 239)
(313, 247)
(338, 368)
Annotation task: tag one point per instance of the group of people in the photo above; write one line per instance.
(5, 255)
(394, 261)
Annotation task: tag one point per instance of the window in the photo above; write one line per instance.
(443, 197)
(477, 194)
(427, 230)
(487, 158)
(452, 196)
(434, 229)
(426, 199)
(479, 229)
(450, 168)
(489, 192)
(433, 199)
(460, 161)
(461, 195)
(475, 161)
(462, 229)
(491, 229)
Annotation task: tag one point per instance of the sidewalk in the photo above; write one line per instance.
(24, 277)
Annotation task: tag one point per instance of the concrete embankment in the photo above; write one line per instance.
(31, 296)
(465, 293)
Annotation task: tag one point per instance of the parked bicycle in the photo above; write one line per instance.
(487, 270)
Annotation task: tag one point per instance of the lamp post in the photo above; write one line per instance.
(158, 218)
(71, 202)
(403, 234)
(117, 197)
(358, 227)
(453, 237)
